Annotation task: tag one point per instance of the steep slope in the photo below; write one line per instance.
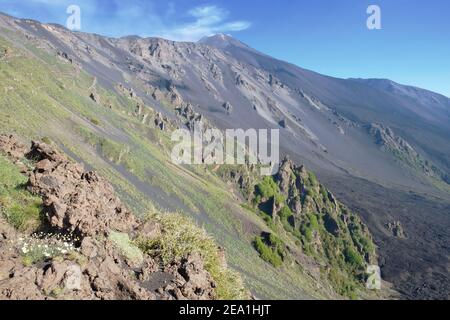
(324, 123)
(82, 242)
(418, 115)
(50, 97)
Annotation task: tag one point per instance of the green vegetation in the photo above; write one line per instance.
(180, 237)
(312, 179)
(353, 258)
(36, 249)
(46, 140)
(267, 189)
(271, 249)
(17, 205)
(95, 121)
(319, 230)
(126, 247)
(285, 213)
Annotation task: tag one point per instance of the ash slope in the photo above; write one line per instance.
(326, 123)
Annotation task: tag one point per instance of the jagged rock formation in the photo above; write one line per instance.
(396, 229)
(228, 107)
(294, 201)
(76, 201)
(94, 97)
(13, 148)
(390, 142)
(96, 258)
(191, 118)
(146, 114)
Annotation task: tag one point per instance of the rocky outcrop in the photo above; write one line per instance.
(216, 72)
(65, 56)
(76, 201)
(396, 229)
(12, 147)
(228, 107)
(94, 97)
(158, 95)
(76, 256)
(390, 142)
(326, 233)
(191, 281)
(101, 275)
(174, 96)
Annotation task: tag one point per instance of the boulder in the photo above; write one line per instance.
(228, 107)
(12, 147)
(94, 97)
(191, 282)
(76, 201)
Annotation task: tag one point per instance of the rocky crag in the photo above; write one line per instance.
(87, 245)
(307, 223)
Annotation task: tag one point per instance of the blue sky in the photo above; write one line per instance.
(327, 36)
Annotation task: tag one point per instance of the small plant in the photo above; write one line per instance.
(127, 248)
(46, 140)
(313, 222)
(312, 179)
(95, 121)
(285, 213)
(41, 247)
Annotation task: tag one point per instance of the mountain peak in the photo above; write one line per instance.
(222, 41)
(217, 37)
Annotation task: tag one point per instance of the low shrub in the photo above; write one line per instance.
(180, 237)
(267, 188)
(353, 258)
(126, 247)
(267, 253)
(95, 121)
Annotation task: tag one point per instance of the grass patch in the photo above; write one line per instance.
(271, 249)
(95, 121)
(180, 237)
(353, 258)
(267, 188)
(126, 247)
(20, 208)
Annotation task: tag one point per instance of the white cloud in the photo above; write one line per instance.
(143, 18)
(207, 20)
